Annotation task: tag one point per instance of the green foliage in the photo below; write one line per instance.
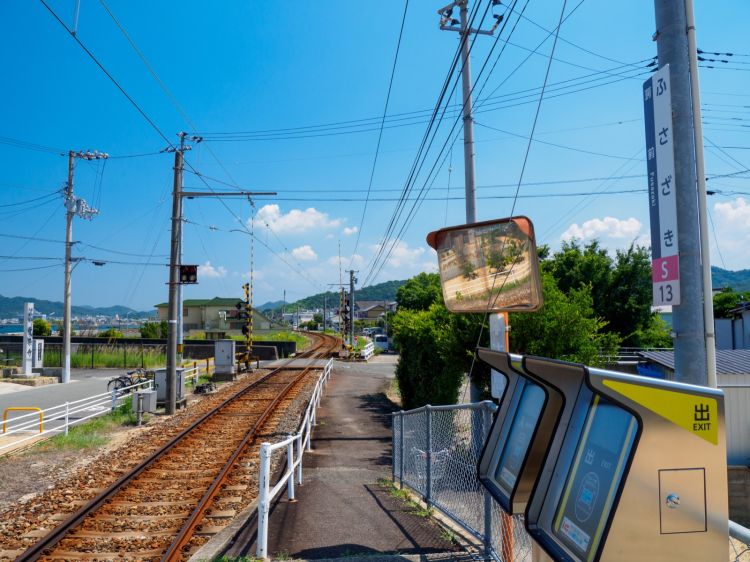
(726, 301)
(42, 328)
(109, 356)
(155, 330)
(433, 354)
(111, 334)
(656, 334)
(620, 287)
(420, 292)
(565, 328)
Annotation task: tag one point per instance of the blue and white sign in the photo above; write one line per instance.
(665, 265)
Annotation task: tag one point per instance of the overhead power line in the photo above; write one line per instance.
(380, 132)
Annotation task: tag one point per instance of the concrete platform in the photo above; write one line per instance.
(341, 510)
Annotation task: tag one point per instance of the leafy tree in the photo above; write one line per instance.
(656, 334)
(111, 333)
(620, 288)
(155, 330)
(565, 327)
(724, 302)
(432, 360)
(420, 292)
(42, 328)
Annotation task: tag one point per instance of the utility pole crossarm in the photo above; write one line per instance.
(192, 194)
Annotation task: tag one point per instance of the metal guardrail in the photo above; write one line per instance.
(90, 407)
(739, 542)
(436, 451)
(367, 351)
(293, 462)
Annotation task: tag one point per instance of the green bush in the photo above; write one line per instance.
(42, 328)
(155, 330)
(111, 334)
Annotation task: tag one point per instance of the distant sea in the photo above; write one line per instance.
(13, 329)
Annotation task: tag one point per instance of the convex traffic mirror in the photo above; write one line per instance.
(489, 266)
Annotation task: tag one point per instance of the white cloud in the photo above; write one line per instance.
(211, 272)
(356, 260)
(305, 253)
(732, 222)
(348, 231)
(402, 255)
(295, 221)
(608, 227)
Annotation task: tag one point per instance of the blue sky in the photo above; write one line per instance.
(249, 66)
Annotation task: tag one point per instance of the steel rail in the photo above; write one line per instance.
(174, 552)
(35, 551)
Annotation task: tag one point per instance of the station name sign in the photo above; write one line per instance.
(665, 265)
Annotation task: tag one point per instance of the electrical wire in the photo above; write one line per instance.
(380, 132)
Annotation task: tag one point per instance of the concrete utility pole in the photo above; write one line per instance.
(175, 253)
(447, 23)
(74, 207)
(175, 260)
(325, 311)
(692, 334)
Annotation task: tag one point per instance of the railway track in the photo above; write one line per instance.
(189, 488)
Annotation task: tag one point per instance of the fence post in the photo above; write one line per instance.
(299, 455)
(92, 356)
(124, 356)
(290, 462)
(393, 447)
(143, 358)
(114, 399)
(401, 451)
(429, 454)
(487, 422)
(263, 500)
(67, 411)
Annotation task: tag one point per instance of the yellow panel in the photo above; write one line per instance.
(696, 414)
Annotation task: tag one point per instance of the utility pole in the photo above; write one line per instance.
(325, 310)
(352, 281)
(283, 308)
(175, 254)
(74, 207)
(692, 335)
(448, 23)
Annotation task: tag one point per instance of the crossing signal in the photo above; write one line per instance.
(188, 274)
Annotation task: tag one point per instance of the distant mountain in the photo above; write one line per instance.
(379, 292)
(11, 307)
(270, 305)
(737, 280)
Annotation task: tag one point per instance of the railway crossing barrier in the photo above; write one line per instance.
(300, 442)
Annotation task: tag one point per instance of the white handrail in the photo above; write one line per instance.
(367, 351)
(99, 402)
(302, 440)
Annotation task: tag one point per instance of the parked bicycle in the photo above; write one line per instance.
(125, 382)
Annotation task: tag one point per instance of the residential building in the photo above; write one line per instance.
(218, 313)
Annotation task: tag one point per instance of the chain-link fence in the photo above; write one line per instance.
(436, 451)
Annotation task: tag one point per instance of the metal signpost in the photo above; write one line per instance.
(28, 338)
(665, 263)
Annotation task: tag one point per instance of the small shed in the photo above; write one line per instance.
(733, 376)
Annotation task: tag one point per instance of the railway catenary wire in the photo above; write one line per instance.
(184, 492)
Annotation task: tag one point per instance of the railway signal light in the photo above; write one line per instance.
(188, 274)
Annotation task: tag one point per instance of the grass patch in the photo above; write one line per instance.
(236, 559)
(401, 494)
(109, 356)
(282, 555)
(93, 433)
